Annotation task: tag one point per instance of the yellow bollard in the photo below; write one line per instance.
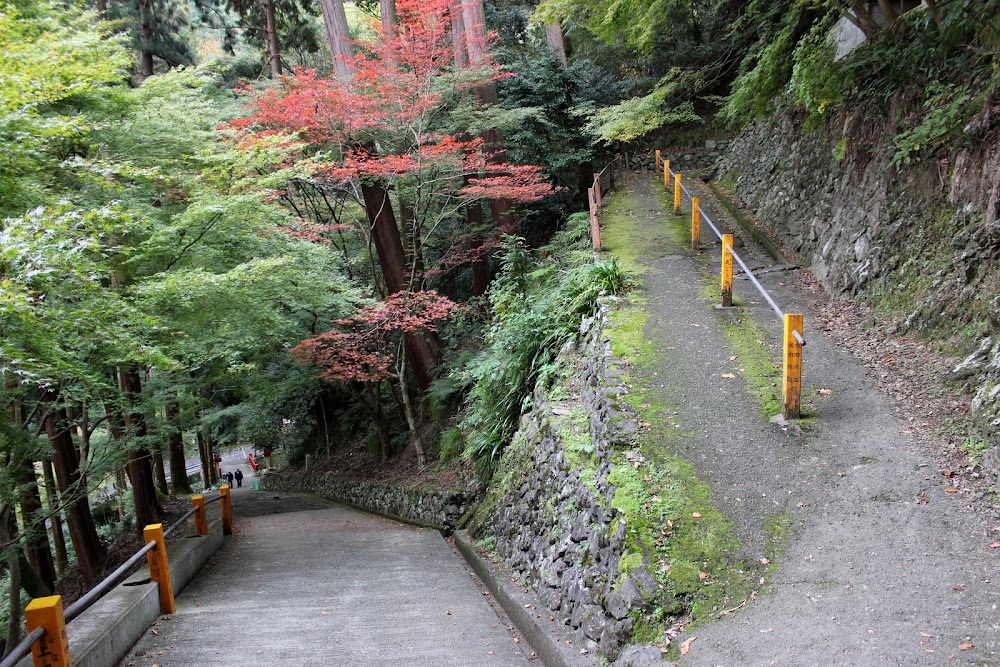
(597, 190)
(677, 193)
(200, 520)
(227, 510)
(52, 650)
(159, 568)
(658, 159)
(727, 270)
(666, 173)
(695, 224)
(791, 386)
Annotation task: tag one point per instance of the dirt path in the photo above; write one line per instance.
(883, 565)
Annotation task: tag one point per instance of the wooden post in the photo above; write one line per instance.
(200, 519)
(159, 568)
(695, 224)
(791, 386)
(677, 193)
(227, 510)
(658, 159)
(727, 270)
(52, 650)
(666, 173)
(595, 225)
(597, 190)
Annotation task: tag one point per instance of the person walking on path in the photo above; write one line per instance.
(239, 478)
(229, 478)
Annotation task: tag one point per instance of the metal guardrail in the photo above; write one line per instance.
(793, 338)
(49, 615)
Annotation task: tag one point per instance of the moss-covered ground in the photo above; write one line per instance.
(674, 529)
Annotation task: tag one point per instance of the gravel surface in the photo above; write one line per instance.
(889, 561)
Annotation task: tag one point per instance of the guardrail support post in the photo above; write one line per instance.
(159, 568)
(52, 650)
(666, 174)
(597, 190)
(727, 270)
(695, 224)
(658, 159)
(200, 519)
(677, 193)
(227, 510)
(791, 386)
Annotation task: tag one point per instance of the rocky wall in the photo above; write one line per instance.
(549, 509)
(925, 238)
(438, 509)
(681, 159)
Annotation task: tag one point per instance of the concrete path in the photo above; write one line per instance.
(883, 566)
(305, 583)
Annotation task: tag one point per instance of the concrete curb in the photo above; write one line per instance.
(105, 633)
(548, 638)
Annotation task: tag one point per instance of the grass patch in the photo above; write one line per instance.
(631, 233)
(761, 374)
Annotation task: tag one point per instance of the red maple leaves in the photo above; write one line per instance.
(362, 348)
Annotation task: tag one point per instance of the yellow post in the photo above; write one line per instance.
(727, 270)
(200, 520)
(666, 173)
(677, 193)
(227, 510)
(52, 650)
(657, 159)
(792, 384)
(695, 224)
(597, 189)
(159, 569)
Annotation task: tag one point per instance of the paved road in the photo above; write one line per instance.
(309, 584)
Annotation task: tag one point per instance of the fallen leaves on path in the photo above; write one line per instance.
(728, 375)
(967, 646)
(686, 645)
(995, 545)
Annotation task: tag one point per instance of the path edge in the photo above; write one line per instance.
(513, 601)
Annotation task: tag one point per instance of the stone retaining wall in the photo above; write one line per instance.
(437, 509)
(681, 159)
(930, 229)
(549, 514)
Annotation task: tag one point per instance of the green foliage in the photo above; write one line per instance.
(537, 308)
(817, 81)
(767, 66)
(610, 277)
(947, 111)
(638, 116)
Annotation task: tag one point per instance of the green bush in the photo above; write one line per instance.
(538, 303)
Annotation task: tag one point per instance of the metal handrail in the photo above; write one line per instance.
(84, 603)
(23, 647)
(739, 260)
(95, 593)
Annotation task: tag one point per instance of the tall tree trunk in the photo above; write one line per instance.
(378, 419)
(270, 27)
(179, 483)
(159, 472)
(102, 9)
(55, 516)
(411, 420)
(424, 350)
(30, 500)
(390, 24)
(412, 248)
(145, 34)
(458, 47)
(82, 530)
(338, 37)
(474, 17)
(557, 45)
(206, 460)
(36, 539)
(140, 463)
(8, 532)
